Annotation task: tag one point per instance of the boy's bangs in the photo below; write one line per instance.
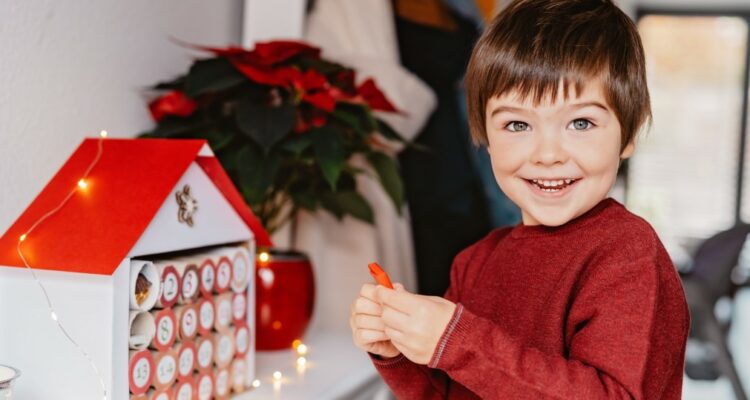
(544, 81)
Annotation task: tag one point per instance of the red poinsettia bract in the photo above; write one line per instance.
(172, 103)
(374, 97)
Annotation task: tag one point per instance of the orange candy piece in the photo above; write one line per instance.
(380, 276)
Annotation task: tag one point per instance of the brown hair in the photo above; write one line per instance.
(534, 45)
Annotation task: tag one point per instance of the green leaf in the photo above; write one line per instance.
(330, 202)
(349, 203)
(356, 116)
(388, 132)
(329, 151)
(356, 205)
(305, 200)
(298, 143)
(174, 127)
(217, 139)
(263, 124)
(257, 172)
(389, 176)
(348, 120)
(211, 75)
(174, 84)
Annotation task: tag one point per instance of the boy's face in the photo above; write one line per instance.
(569, 147)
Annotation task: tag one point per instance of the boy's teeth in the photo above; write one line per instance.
(552, 183)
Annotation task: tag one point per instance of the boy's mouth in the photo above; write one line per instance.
(553, 185)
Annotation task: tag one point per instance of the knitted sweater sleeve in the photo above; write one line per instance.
(621, 344)
(408, 380)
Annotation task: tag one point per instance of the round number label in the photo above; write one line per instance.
(205, 353)
(224, 311)
(185, 391)
(190, 284)
(224, 274)
(189, 324)
(186, 361)
(142, 373)
(240, 270)
(170, 286)
(207, 315)
(205, 387)
(164, 331)
(243, 339)
(224, 350)
(222, 382)
(166, 369)
(208, 277)
(239, 306)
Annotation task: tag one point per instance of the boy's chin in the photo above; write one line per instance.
(553, 221)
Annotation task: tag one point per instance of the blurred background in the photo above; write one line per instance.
(70, 69)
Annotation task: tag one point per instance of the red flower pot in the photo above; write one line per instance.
(284, 299)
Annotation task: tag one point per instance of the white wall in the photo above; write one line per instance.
(272, 19)
(630, 6)
(71, 68)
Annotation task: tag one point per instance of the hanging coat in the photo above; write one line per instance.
(361, 34)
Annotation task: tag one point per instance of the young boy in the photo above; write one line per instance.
(581, 300)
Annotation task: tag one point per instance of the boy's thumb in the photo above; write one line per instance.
(399, 287)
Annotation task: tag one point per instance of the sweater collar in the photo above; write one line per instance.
(592, 215)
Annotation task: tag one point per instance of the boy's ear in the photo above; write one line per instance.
(628, 150)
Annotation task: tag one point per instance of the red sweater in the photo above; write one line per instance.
(592, 309)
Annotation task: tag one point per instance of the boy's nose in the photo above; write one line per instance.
(548, 149)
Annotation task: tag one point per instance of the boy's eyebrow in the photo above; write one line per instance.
(503, 108)
(500, 109)
(589, 104)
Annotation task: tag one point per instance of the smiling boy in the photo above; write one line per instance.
(580, 300)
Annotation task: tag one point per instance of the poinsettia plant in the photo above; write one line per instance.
(284, 123)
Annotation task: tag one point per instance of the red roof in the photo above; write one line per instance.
(98, 226)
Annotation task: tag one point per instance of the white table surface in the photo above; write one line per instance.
(335, 369)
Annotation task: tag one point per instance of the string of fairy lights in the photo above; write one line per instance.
(82, 184)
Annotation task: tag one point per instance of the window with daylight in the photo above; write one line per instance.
(688, 175)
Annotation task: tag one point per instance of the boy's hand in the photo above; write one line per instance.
(413, 322)
(367, 326)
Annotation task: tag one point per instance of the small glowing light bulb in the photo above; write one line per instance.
(302, 349)
(264, 257)
(22, 238)
(296, 343)
(277, 376)
(53, 315)
(256, 383)
(301, 361)
(103, 134)
(82, 184)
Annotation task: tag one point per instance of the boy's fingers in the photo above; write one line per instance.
(400, 300)
(362, 321)
(366, 336)
(394, 335)
(395, 319)
(368, 291)
(399, 287)
(363, 305)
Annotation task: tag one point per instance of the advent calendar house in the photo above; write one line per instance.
(144, 199)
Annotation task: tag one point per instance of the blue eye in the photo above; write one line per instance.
(517, 126)
(581, 124)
